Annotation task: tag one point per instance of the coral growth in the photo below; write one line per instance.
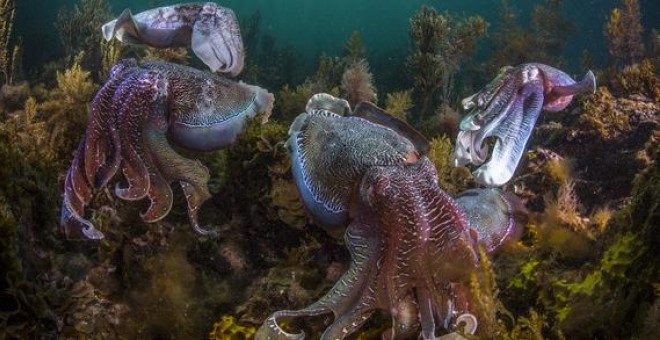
(624, 33)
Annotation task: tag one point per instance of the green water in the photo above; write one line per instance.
(314, 27)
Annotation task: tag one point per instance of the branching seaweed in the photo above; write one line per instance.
(624, 33)
(79, 31)
(442, 43)
(7, 53)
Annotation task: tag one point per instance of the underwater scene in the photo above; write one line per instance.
(307, 169)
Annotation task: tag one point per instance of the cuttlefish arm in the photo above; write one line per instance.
(211, 30)
(507, 109)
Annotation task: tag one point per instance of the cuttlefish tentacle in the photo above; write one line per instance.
(77, 194)
(102, 156)
(160, 193)
(428, 247)
(507, 109)
(171, 166)
(132, 116)
(346, 300)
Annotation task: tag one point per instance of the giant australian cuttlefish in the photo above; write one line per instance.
(413, 247)
(143, 109)
(507, 109)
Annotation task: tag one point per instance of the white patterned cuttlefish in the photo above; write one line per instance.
(140, 112)
(145, 112)
(211, 30)
(507, 109)
(365, 175)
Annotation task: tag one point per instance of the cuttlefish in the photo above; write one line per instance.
(507, 109)
(140, 112)
(414, 248)
(211, 30)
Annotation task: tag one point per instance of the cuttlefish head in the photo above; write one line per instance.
(507, 109)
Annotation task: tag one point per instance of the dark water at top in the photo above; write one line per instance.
(313, 27)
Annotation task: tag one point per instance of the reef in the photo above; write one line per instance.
(585, 265)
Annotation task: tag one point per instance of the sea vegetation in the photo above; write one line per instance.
(450, 179)
(79, 32)
(624, 34)
(398, 104)
(31, 285)
(10, 51)
(442, 43)
(591, 180)
(347, 77)
(632, 72)
(357, 83)
(267, 64)
(541, 40)
(228, 329)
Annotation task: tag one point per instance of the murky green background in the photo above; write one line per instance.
(312, 27)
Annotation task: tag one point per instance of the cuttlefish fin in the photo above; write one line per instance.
(496, 216)
(587, 84)
(375, 114)
(125, 28)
